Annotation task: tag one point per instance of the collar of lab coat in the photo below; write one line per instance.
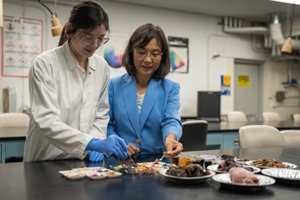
(71, 59)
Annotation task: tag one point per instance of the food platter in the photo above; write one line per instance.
(283, 175)
(74, 176)
(292, 166)
(186, 180)
(142, 168)
(97, 175)
(215, 169)
(94, 173)
(224, 180)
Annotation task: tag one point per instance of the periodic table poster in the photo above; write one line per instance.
(22, 40)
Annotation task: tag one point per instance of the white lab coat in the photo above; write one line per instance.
(69, 106)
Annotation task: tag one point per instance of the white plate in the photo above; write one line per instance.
(74, 176)
(186, 180)
(114, 175)
(292, 166)
(66, 172)
(97, 175)
(289, 176)
(207, 157)
(215, 169)
(224, 180)
(242, 162)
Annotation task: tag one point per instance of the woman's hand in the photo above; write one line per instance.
(173, 147)
(132, 150)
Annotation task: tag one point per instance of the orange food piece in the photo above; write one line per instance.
(182, 162)
(156, 160)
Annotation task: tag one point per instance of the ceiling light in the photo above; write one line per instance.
(288, 1)
(56, 27)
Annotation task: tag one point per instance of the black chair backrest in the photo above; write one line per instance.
(194, 135)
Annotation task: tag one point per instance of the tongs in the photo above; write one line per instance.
(132, 161)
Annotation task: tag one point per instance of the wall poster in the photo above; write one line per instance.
(179, 54)
(225, 85)
(22, 41)
(243, 81)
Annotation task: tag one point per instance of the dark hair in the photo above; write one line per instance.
(139, 39)
(85, 15)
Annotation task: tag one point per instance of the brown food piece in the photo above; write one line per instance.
(192, 170)
(225, 156)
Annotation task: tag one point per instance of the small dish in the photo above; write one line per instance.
(74, 176)
(215, 169)
(112, 174)
(242, 161)
(224, 180)
(66, 172)
(97, 176)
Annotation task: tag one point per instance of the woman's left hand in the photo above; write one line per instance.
(173, 147)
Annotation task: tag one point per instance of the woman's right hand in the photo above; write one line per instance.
(132, 150)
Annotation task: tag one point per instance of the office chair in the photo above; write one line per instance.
(14, 120)
(296, 118)
(236, 116)
(291, 137)
(194, 135)
(271, 117)
(260, 136)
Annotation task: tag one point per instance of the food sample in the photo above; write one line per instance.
(268, 162)
(192, 170)
(229, 163)
(241, 175)
(225, 156)
(243, 159)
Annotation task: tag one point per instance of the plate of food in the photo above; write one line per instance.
(74, 176)
(225, 182)
(96, 175)
(190, 174)
(250, 168)
(66, 172)
(270, 163)
(242, 161)
(112, 174)
(286, 176)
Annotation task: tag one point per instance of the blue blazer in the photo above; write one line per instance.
(158, 117)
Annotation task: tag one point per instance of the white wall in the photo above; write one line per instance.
(206, 39)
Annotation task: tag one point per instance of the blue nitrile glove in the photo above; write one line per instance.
(113, 144)
(95, 156)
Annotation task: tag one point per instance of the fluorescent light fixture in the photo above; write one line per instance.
(297, 2)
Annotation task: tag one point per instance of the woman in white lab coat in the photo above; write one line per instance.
(68, 93)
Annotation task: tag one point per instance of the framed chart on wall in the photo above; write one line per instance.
(22, 41)
(179, 54)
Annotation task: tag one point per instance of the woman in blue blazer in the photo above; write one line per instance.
(143, 103)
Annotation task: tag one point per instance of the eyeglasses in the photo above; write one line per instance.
(141, 53)
(90, 39)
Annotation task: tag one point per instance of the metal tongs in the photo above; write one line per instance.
(132, 161)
